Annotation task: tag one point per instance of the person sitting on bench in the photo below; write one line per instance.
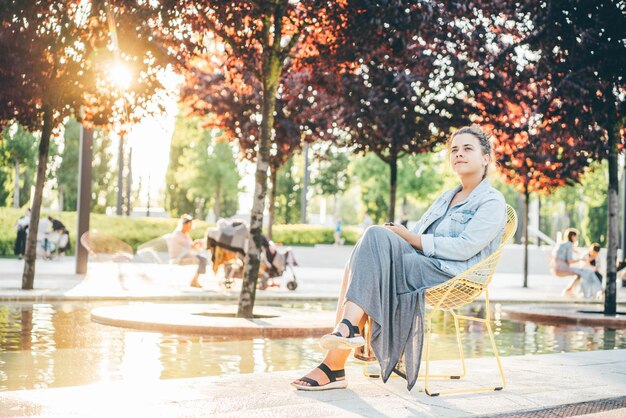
(183, 250)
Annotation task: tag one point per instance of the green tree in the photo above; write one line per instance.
(103, 176)
(205, 171)
(595, 183)
(582, 206)
(18, 157)
(211, 177)
(288, 188)
(371, 173)
(67, 173)
(332, 177)
(185, 132)
(420, 180)
(5, 188)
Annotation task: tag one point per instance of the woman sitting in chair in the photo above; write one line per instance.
(391, 268)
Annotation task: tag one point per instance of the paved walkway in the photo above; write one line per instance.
(533, 382)
(55, 280)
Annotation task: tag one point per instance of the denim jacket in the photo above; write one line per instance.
(470, 232)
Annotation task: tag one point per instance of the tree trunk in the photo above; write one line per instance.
(83, 202)
(305, 186)
(520, 227)
(129, 181)
(148, 199)
(539, 221)
(16, 185)
(217, 208)
(61, 198)
(197, 212)
(610, 295)
(120, 176)
(28, 277)
(336, 207)
(271, 72)
(526, 207)
(274, 175)
(393, 184)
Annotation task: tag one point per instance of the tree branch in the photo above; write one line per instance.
(292, 42)
(506, 51)
(278, 30)
(225, 37)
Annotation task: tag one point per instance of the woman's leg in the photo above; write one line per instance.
(336, 359)
(346, 309)
(572, 283)
(589, 284)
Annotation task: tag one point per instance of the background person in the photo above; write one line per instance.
(337, 234)
(183, 249)
(593, 260)
(62, 238)
(21, 230)
(563, 266)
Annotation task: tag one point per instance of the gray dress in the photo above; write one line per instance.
(388, 280)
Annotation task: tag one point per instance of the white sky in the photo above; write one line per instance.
(150, 141)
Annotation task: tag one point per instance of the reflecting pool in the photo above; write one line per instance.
(55, 344)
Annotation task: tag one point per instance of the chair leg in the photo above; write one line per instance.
(460, 346)
(486, 321)
(461, 354)
(495, 352)
(428, 331)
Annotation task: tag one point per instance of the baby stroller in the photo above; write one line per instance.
(228, 243)
(53, 244)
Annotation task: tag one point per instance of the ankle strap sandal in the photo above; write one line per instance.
(339, 342)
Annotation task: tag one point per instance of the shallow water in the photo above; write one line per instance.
(51, 345)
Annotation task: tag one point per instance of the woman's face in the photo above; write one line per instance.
(466, 156)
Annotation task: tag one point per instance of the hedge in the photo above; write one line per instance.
(312, 234)
(136, 231)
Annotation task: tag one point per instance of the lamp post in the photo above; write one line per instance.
(305, 186)
(120, 176)
(84, 195)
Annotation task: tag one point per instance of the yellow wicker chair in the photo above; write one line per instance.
(449, 297)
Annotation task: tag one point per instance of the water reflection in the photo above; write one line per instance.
(52, 345)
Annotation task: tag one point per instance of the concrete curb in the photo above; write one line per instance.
(216, 320)
(564, 315)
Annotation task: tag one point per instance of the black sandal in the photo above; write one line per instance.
(338, 341)
(333, 383)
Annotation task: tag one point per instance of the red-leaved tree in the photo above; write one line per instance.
(582, 56)
(259, 38)
(57, 61)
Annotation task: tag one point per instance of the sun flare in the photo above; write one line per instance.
(120, 75)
